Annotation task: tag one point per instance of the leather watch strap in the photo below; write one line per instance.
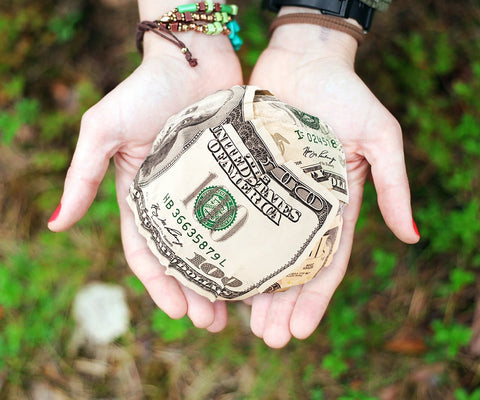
(355, 9)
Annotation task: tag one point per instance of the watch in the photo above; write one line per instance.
(355, 9)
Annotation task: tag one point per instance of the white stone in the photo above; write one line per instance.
(101, 312)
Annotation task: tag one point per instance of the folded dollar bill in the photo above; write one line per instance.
(242, 194)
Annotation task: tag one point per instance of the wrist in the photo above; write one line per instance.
(200, 45)
(314, 40)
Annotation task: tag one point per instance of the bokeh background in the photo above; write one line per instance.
(405, 322)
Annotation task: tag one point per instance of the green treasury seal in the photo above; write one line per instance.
(215, 208)
(307, 119)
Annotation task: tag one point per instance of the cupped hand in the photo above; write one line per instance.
(123, 125)
(312, 68)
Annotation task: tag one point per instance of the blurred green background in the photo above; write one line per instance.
(405, 322)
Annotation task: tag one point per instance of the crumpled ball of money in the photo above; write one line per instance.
(242, 194)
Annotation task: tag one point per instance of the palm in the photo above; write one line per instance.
(331, 90)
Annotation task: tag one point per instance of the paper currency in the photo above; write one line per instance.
(304, 139)
(231, 208)
(321, 256)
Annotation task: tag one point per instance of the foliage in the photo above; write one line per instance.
(34, 290)
(255, 34)
(170, 330)
(400, 309)
(462, 394)
(449, 338)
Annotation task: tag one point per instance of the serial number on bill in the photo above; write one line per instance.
(314, 138)
(191, 232)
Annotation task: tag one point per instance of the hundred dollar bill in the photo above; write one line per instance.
(321, 256)
(223, 209)
(301, 137)
(180, 128)
(304, 139)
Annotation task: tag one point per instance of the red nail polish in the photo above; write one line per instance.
(55, 213)
(415, 228)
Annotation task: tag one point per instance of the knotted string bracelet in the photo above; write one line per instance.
(155, 27)
(205, 17)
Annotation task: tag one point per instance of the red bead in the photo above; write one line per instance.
(178, 16)
(188, 16)
(174, 27)
(217, 7)
(201, 6)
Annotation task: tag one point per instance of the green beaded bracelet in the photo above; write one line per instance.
(229, 8)
(209, 6)
(204, 17)
(187, 8)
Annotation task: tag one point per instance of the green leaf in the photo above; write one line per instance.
(11, 289)
(356, 395)
(27, 110)
(459, 278)
(317, 394)
(385, 263)
(64, 27)
(170, 329)
(444, 55)
(462, 394)
(335, 364)
(450, 337)
(135, 284)
(9, 126)
(14, 88)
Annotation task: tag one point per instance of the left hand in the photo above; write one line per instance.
(123, 125)
(311, 67)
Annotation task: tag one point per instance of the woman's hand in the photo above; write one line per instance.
(311, 67)
(123, 125)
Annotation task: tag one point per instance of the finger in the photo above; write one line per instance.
(386, 158)
(316, 294)
(87, 169)
(163, 289)
(260, 305)
(180, 299)
(200, 309)
(220, 320)
(248, 301)
(276, 333)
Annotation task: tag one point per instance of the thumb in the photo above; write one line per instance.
(391, 182)
(87, 169)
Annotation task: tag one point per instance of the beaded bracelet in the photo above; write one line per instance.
(205, 17)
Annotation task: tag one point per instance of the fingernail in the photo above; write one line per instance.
(55, 213)
(415, 228)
